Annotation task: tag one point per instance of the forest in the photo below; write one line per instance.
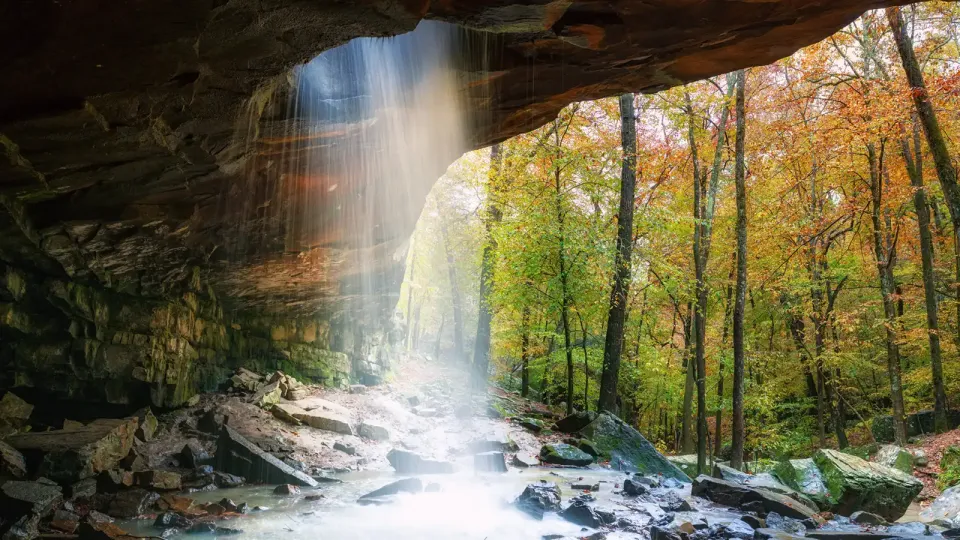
(768, 259)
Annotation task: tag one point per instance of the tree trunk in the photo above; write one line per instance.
(613, 345)
(454, 296)
(736, 458)
(481, 350)
(702, 256)
(885, 255)
(564, 289)
(928, 118)
(525, 353)
(686, 422)
(915, 171)
(727, 316)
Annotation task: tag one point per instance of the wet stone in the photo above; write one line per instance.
(670, 501)
(286, 489)
(633, 487)
(170, 520)
(580, 513)
(539, 498)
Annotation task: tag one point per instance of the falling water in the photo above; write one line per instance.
(384, 119)
(338, 159)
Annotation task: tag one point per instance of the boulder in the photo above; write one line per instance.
(580, 513)
(236, 455)
(855, 484)
(286, 489)
(407, 485)
(14, 413)
(494, 462)
(373, 430)
(736, 495)
(634, 488)
(192, 455)
(804, 476)
(669, 501)
(945, 507)
(146, 424)
(21, 498)
(70, 455)
(627, 449)
(161, 480)
(12, 463)
(405, 462)
(131, 503)
(575, 422)
(538, 499)
(891, 455)
(267, 396)
(226, 480)
(564, 454)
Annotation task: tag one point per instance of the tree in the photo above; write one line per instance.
(481, 352)
(948, 181)
(736, 459)
(613, 345)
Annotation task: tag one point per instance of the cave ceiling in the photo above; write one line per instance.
(126, 132)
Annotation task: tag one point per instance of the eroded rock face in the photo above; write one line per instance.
(140, 241)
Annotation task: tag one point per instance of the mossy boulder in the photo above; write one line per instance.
(804, 476)
(855, 484)
(627, 449)
(564, 454)
(891, 455)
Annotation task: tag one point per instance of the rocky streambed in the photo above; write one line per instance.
(416, 458)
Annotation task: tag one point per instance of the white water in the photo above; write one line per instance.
(468, 507)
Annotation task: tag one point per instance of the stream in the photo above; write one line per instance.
(468, 506)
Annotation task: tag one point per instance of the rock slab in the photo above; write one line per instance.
(70, 455)
(238, 456)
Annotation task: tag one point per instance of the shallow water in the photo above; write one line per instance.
(470, 506)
